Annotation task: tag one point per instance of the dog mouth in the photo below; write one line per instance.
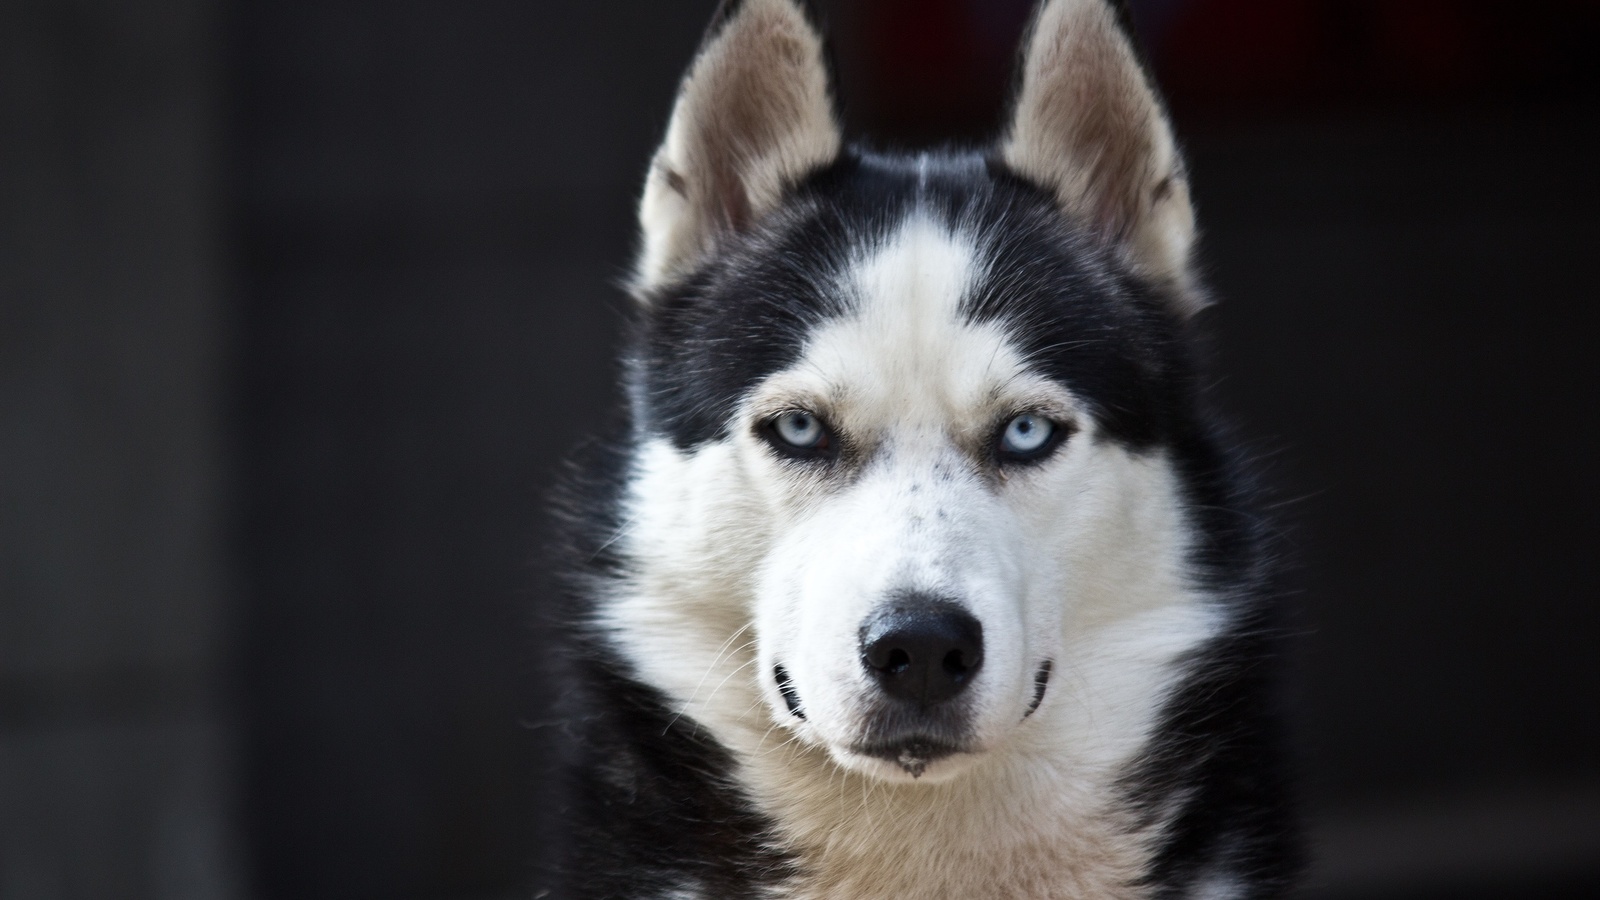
(912, 754)
(915, 752)
(912, 748)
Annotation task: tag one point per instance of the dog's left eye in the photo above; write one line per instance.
(800, 433)
(1028, 436)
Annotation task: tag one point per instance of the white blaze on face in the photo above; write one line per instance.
(917, 392)
(746, 560)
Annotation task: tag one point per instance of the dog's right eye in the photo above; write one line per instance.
(1028, 437)
(799, 433)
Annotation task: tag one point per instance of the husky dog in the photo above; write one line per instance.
(917, 569)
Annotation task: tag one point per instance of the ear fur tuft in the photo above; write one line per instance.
(1088, 126)
(753, 115)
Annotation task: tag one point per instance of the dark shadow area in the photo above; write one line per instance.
(303, 302)
(433, 204)
(1396, 207)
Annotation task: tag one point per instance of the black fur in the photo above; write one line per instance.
(651, 804)
(655, 809)
(1072, 308)
(647, 803)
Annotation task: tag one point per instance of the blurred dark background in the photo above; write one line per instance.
(302, 301)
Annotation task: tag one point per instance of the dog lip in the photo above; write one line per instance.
(791, 697)
(1041, 683)
(912, 753)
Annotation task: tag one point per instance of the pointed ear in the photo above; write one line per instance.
(1088, 126)
(753, 115)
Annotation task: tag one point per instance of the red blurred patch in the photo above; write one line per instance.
(931, 70)
(936, 69)
(1255, 56)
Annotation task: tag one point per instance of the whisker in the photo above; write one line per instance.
(722, 652)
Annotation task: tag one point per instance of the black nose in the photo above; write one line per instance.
(922, 651)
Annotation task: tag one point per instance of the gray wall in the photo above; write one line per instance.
(114, 601)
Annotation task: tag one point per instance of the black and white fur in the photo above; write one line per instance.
(885, 409)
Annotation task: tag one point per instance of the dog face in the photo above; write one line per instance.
(940, 500)
(903, 422)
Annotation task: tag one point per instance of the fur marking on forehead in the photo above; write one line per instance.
(917, 279)
(909, 351)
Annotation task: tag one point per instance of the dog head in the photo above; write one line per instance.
(903, 422)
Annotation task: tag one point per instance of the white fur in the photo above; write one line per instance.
(1088, 125)
(743, 560)
(753, 114)
(1220, 887)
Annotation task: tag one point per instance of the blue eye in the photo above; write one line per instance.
(1027, 436)
(798, 430)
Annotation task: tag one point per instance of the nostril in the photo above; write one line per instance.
(899, 661)
(923, 652)
(887, 656)
(955, 663)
